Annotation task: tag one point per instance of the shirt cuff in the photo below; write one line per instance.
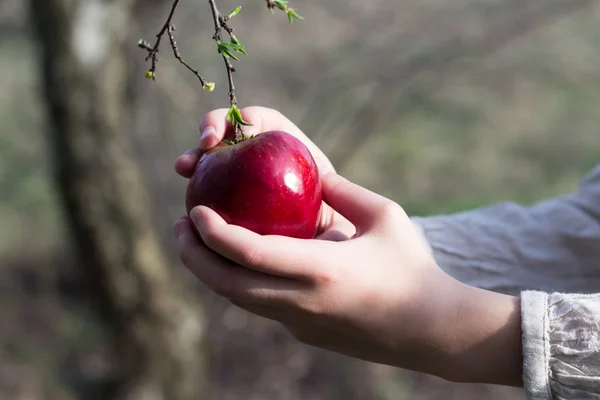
(534, 323)
(561, 345)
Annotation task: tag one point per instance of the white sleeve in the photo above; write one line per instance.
(539, 251)
(561, 345)
(550, 246)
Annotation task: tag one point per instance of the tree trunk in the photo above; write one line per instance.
(157, 331)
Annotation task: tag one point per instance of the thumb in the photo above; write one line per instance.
(360, 206)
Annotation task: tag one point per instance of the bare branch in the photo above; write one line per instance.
(227, 49)
(220, 25)
(177, 55)
(282, 5)
(169, 29)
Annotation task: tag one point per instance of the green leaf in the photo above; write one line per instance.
(237, 45)
(225, 49)
(228, 142)
(292, 11)
(235, 12)
(281, 4)
(229, 54)
(237, 115)
(290, 17)
(229, 116)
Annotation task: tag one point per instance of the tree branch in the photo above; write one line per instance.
(221, 24)
(282, 5)
(169, 29)
(227, 49)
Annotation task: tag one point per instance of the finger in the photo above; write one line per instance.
(276, 255)
(214, 126)
(216, 121)
(185, 164)
(209, 138)
(360, 206)
(253, 115)
(263, 120)
(229, 280)
(333, 235)
(272, 313)
(333, 226)
(272, 120)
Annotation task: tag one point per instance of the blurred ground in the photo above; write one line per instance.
(440, 105)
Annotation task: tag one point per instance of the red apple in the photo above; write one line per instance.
(268, 184)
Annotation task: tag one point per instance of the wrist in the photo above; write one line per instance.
(483, 339)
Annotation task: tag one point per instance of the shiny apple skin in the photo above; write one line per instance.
(268, 184)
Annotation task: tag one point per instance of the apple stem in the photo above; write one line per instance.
(239, 135)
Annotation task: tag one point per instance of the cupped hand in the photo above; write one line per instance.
(214, 127)
(378, 296)
(371, 290)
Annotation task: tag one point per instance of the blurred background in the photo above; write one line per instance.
(440, 105)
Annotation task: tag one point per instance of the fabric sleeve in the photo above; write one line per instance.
(561, 345)
(549, 253)
(553, 245)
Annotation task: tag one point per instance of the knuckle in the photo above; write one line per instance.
(253, 109)
(391, 211)
(213, 117)
(312, 308)
(326, 277)
(278, 113)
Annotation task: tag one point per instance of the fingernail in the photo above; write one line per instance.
(325, 171)
(194, 214)
(190, 151)
(209, 130)
(177, 229)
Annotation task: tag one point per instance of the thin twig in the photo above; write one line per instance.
(226, 50)
(220, 23)
(283, 6)
(153, 54)
(169, 29)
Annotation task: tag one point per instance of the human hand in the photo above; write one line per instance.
(214, 127)
(378, 296)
